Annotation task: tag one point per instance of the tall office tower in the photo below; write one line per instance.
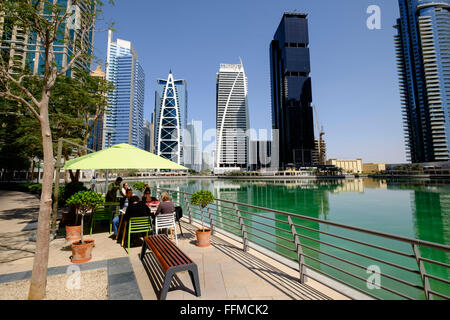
(232, 122)
(23, 49)
(170, 118)
(147, 135)
(423, 59)
(125, 113)
(192, 146)
(95, 139)
(292, 114)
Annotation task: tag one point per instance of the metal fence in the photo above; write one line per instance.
(375, 264)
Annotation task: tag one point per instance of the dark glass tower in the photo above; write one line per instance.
(423, 59)
(292, 113)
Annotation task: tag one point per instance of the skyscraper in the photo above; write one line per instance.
(22, 48)
(232, 122)
(170, 118)
(292, 114)
(423, 59)
(125, 112)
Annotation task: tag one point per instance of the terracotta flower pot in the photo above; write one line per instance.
(82, 252)
(73, 233)
(203, 236)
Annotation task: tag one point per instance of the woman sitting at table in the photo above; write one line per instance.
(165, 206)
(148, 199)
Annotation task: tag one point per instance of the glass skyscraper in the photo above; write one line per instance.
(292, 113)
(171, 102)
(423, 59)
(125, 112)
(232, 121)
(23, 49)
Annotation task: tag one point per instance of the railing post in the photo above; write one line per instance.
(243, 229)
(189, 209)
(211, 221)
(425, 280)
(301, 259)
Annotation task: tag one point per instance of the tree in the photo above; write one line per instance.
(45, 23)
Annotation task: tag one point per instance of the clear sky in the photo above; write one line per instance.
(353, 69)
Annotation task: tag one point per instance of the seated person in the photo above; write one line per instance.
(134, 209)
(125, 187)
(148, 199)
(165, 206)
(125, 200)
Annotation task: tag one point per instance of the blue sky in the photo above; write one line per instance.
(353, 69)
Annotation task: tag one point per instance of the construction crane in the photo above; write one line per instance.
(320, 140)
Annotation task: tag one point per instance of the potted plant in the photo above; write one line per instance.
(70, 219)
(84, 201)
(202, 198)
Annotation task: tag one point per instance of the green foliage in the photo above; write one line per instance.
(85, 201)
(202, 198)
(140, 186)
(66, 191)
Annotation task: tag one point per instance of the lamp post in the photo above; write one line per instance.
(108, 132)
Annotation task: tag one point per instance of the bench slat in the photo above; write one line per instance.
(168, 254)
(176, 252)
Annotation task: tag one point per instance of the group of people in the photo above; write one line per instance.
(132, 206)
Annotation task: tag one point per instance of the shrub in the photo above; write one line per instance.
(140, 186)
(85, 201)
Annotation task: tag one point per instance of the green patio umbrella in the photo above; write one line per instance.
(121, 156)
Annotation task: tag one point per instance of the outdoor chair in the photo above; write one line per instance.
(102, 214)
(166, 221)
(136, 225)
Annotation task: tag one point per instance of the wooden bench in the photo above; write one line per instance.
(172, 260)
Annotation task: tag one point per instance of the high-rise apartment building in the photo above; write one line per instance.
(423, 59)
(292, 113)
(125, 113)
(22, 49)
(170, 118)
(232, 121)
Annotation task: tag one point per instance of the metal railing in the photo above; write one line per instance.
(374, 264)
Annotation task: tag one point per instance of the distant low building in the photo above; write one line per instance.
(373, 167)
(353, 166)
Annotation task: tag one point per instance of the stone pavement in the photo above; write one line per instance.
(226, 272)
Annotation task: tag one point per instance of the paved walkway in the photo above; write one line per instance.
(225, 270)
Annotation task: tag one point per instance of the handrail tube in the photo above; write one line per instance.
(271, 234)
(362, 255)
(436, 278)
(435, 262)
(277, 244)
(359, 278)
(358, 242)
(364, 268)
(376, 233)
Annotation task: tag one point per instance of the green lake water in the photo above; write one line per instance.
(412, 209)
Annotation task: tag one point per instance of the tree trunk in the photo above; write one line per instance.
(40, 263)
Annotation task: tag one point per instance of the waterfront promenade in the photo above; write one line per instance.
(226, 272)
